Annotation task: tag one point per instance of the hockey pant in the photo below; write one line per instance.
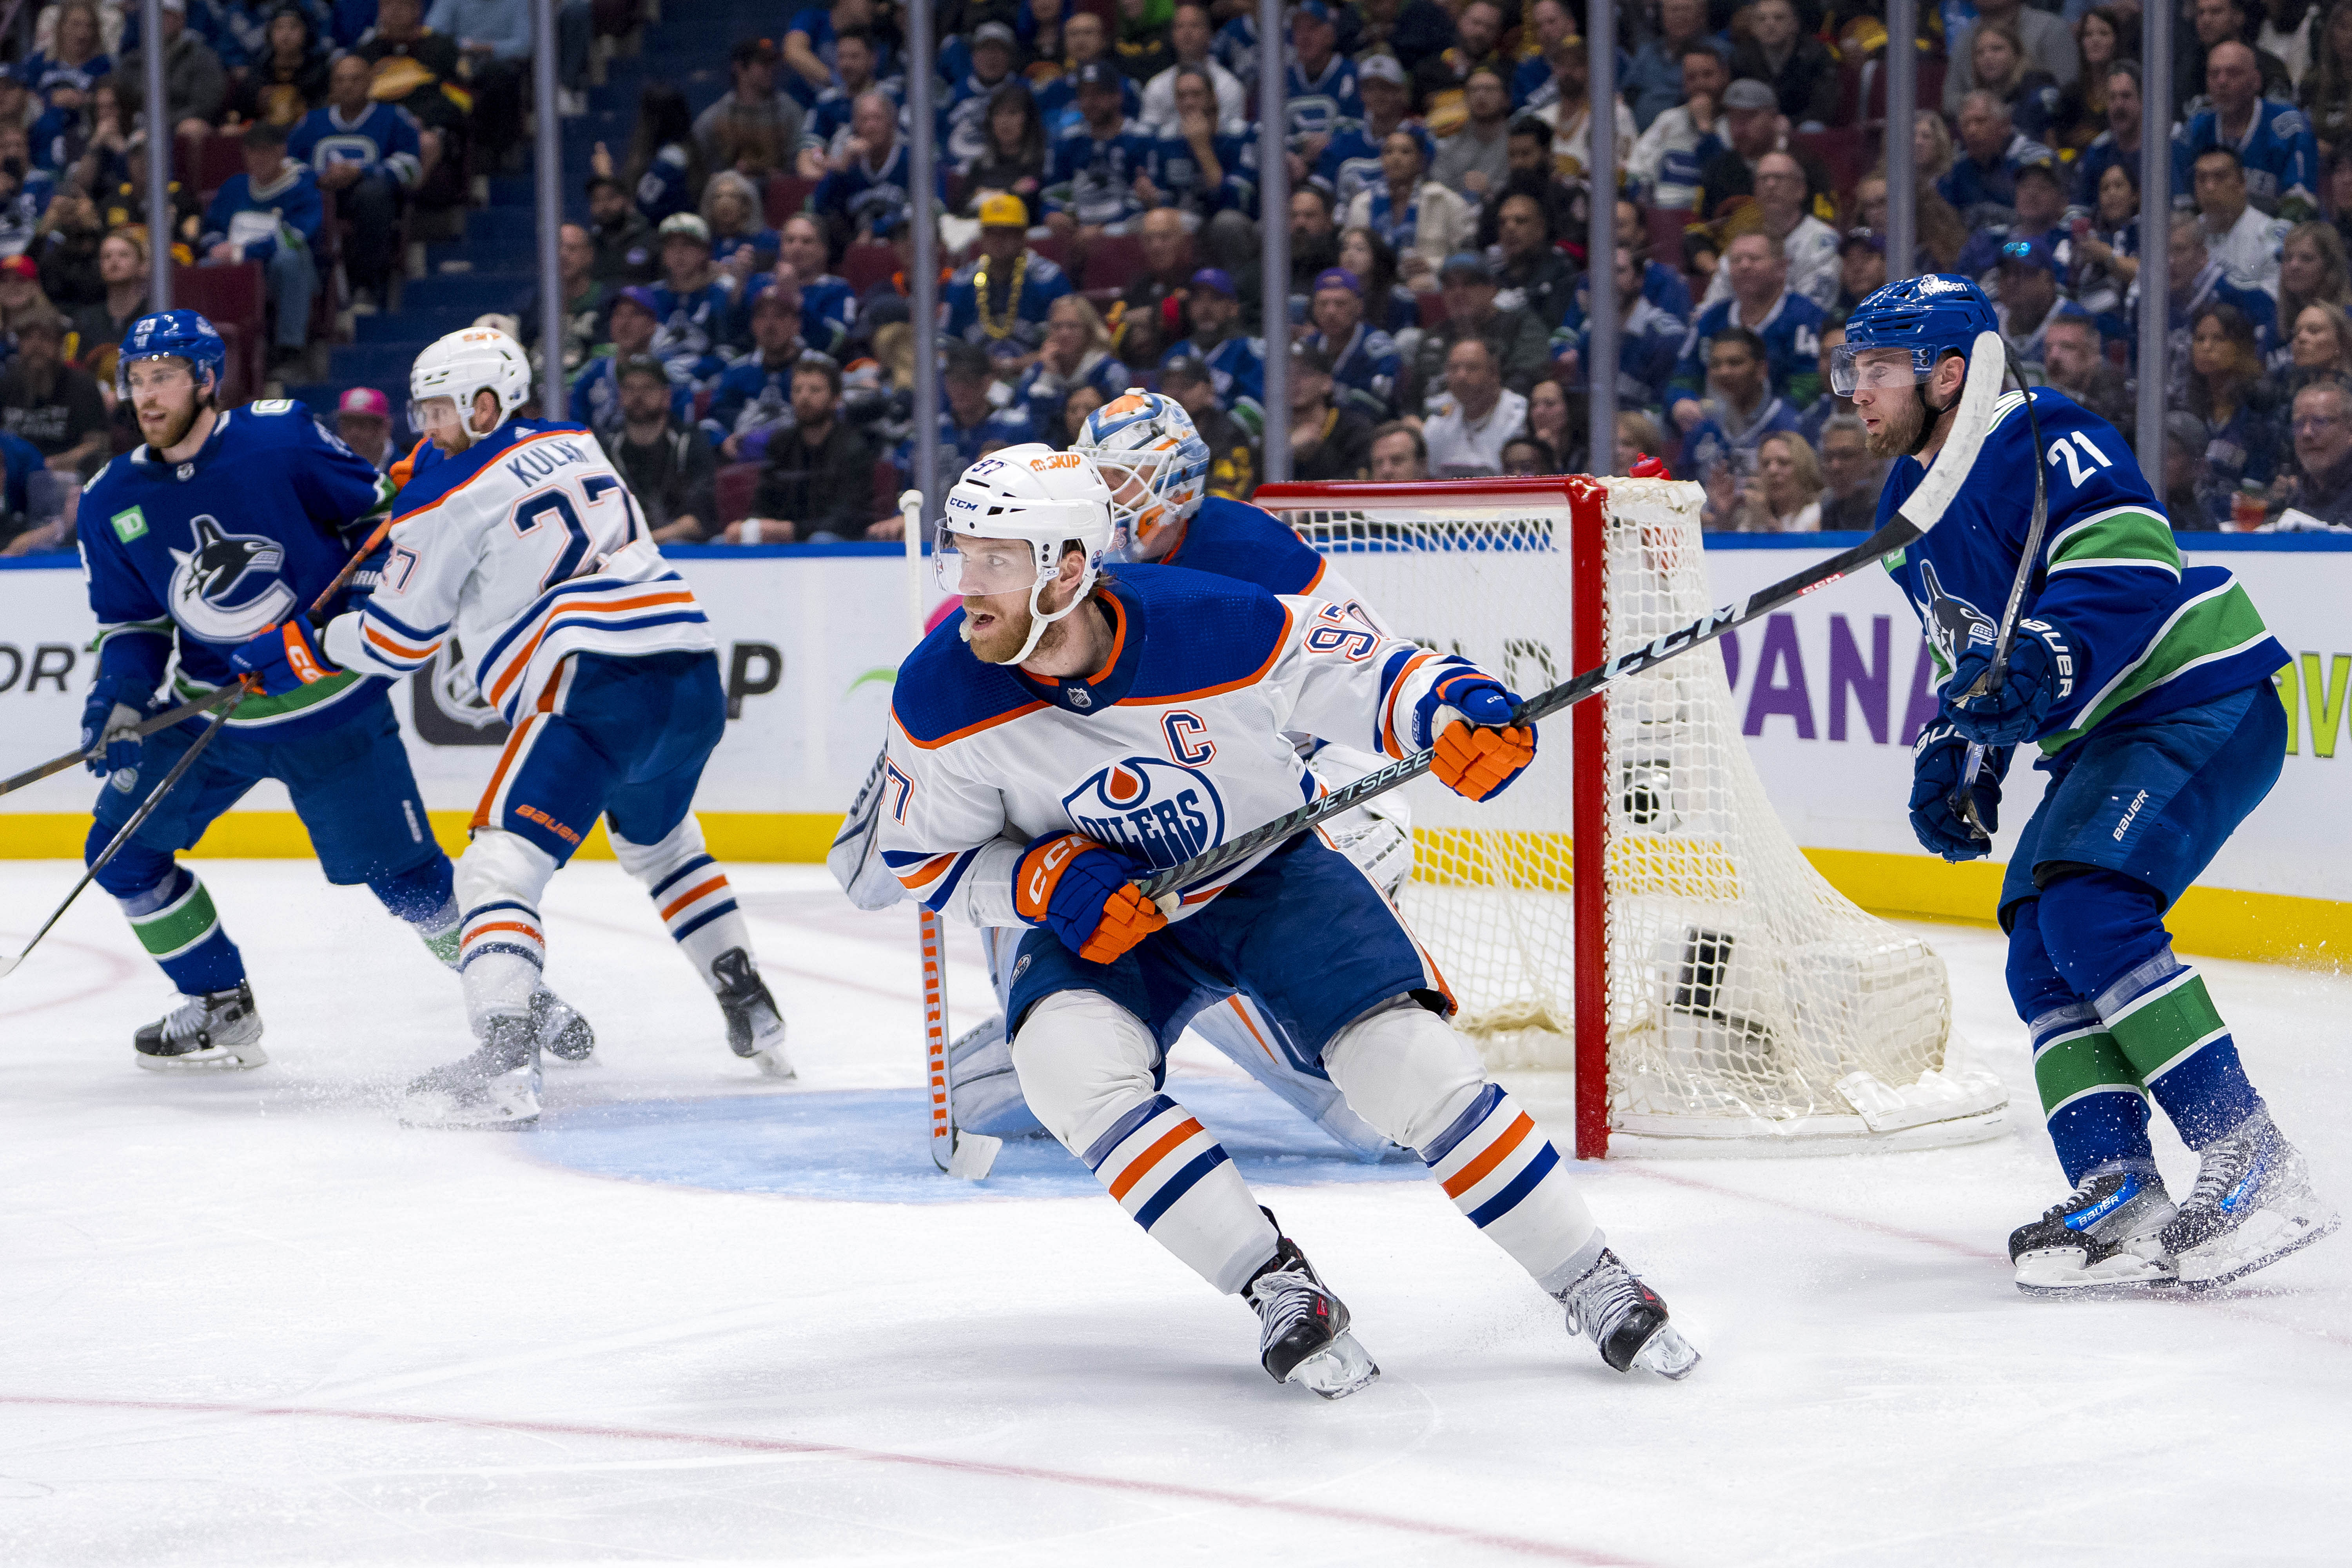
(352, 788)
(1317, 947)
(2132, 813)
(625, 738)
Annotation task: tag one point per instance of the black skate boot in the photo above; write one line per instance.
(497, 1086)
(2107, 1239)
(216, 1032)
(1303, 1328)
(563, 1033)
(1625, 1319)
(754, 1029)
(2253, 1204)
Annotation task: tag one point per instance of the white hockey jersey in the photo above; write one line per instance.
(1177, 744)
(527, 547)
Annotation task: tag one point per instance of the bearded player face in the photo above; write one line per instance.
(166, 398)
(997, 625)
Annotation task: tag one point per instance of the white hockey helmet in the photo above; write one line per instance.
(1155, 464)
(474, 359)
(1028, 502)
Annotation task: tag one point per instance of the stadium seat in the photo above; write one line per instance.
(784, 196)
(1842, 151)
(235, 295)
(866, 264)
(1113, 261)
(1432, 309)
(1051, 247)
(737, 486)
(886, 488)
(207, 165)
(1666, 227)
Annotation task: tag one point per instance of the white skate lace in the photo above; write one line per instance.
(1282, 1298)
(185, 1020)
(2222, 1166)
(1605, 1293)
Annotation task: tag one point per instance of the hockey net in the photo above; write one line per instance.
(1709, 983)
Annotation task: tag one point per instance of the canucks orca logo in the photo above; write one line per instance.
(227, 588)
(1952, 623)
(1155, 810)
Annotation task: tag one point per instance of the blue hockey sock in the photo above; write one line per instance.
(426, 897)
(175, 922)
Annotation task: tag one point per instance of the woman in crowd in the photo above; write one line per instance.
(103, 164)
(63, 78)
(2319, 348)
(1016, 159)
(1785, 496)
(741, 243)
(2326, 90)
(2313, 269)
(1548, 417)
(1996, 55)
(1039, 28)
(1638, 437)
(2102, 37)
(2107, 250)
(1076, 354)
(1076, 410)
(1932, 148)
(291, 81)
(1421, 219)
(665, 170)
(1524, 455)
(1388, 304)
(2237, 405)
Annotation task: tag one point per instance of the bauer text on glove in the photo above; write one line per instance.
(2045, 669)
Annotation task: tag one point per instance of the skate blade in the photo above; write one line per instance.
(2293, 1234)
(773, 1063)
(500, 1109)
(229, 1058)
(1339, 1369)
(1667, 1353)
(2046, 1277)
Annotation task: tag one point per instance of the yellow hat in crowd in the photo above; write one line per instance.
(999, 209)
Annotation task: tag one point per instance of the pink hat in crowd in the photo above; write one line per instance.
(366, 400)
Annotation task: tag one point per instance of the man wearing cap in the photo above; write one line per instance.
(1476, 415)
(965, 114)
(1364, 360)
(2029, 293)
(1233, 447)
(694, 302)
(1785, 323)
(1351, 160)
(371, 156)
(1189, 33)
(855, 55)
(1992, 152)
(756, 392)
(752, 112)
(1521, 345)
(53, 405)
(628, 249)
(635, 318)
(270, 213)
(1003, 293)
(968, 422)
(1233, 361)
(2238, 234)
(671, 469)
(2040, 202)
(1680, 139)
(871, 172)
(1862, 269)
(364, 421)
(1750, 126)
(1088, 43)
(1327, 441)
(1093, 177)
(1319, 85)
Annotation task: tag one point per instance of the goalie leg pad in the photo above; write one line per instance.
(1412, 1076)
(1086, 1065)
(1250, 1040)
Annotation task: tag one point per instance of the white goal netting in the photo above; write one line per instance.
(1739, 995)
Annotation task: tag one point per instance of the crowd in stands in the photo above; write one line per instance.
(737, 320)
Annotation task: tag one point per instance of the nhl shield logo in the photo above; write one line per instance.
(1157, 811)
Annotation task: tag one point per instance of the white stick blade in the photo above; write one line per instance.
(1988, 364)
(975, 1156)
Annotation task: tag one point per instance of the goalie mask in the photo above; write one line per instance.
(1154, 464)
(1008, 521)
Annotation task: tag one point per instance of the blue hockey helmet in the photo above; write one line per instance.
(1932, 315)
(177, 334)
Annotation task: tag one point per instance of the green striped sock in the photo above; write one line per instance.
(2078, 1057)
(179, 925)
(2165, 1025)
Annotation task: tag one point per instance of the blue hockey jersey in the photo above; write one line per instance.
(383, 140)
(1364, 370)
(1092, 179)
(2279, 151)
(2150, 634)
(1235, 539)
(197, 557)
(1792, 331)
(1319, 108)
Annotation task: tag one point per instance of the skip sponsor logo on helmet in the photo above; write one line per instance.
(1059, 460)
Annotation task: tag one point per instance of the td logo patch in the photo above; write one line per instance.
(128, 525)
(1159, 812)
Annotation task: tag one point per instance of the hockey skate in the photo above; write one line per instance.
(219, 1031)
(1302, 1334)
(1626, 1321)
(2253, 1204)
(754, 1029)
(2106, 1239)
(563, 1033)
(497, 1086)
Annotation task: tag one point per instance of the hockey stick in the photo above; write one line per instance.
(1918, 514)
(1964, 800)
(195, 706)
(226, 698)
(959, 1154)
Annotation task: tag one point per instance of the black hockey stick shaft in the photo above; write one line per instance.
(195, 707)
(146, 808)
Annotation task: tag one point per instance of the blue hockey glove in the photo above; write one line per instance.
(367, 573)
(285, 657)
(2042, 666)
(110, 717)
(1086, 893)
(1480, 753)
(1938, 760)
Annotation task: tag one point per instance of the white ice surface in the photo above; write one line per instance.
(251, 1319)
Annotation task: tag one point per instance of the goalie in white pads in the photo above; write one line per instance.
(1068, 732)
(525, 545)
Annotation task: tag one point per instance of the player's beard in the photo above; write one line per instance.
(176, 431)
(1005, 638)
(1898, 434)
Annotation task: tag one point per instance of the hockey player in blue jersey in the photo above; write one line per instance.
(2144, 684)
(222, 523)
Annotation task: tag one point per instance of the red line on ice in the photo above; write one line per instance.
(1521, 1545)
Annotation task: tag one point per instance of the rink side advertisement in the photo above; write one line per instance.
(1829, 695)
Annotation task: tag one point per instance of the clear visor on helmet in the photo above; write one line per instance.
(1853, 367)
(426, 414)
(965, 565)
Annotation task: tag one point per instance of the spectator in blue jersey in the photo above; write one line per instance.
(1190, 30)
(2117, 145)
(755, 393)
(694, 302)
(1654, 83)
(871, 173)
(2273, 141)
(1204, 170)
(1739, 411)
(634, 319)
(63, 76)
(2039, 204)
(741, 243)
(809, 51)
(1785, 325)
(1365, 363)
(1549, 26)
(1351, 162)
(270, 213)
(369, 154)
(1982, 183)
(1089, 41)
(754, 126)
(1319, 88)
(1662, 286)
(494, 45)
(971, 103)
(1233, 361)
(855, 55)
(968, 422)
(1649, 340)
(828, 310)
(1076, 354)
(666, 165)
(2195, 281)
(2238, 234)
(1005, 292)
(1101, 165)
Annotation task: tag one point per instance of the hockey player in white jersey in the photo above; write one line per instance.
(1157, 467)
(1068, 732)
(524, 545)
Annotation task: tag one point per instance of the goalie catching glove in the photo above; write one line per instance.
(2042, 672)
(1086, 892)
(284, 658)
(1478, 749)
(1938, 760)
